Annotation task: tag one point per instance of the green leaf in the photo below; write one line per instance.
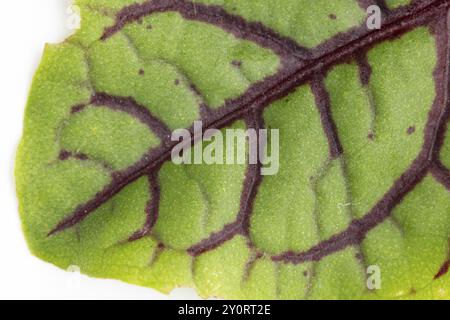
(364, 174)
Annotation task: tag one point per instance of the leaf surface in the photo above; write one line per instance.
(364, 149)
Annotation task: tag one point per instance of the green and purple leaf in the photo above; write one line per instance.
(364, 151)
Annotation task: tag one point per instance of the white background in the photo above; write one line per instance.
(25, 26)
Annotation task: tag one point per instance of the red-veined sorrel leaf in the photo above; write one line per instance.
(362, 116)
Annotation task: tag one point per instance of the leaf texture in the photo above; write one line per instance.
(364, 156)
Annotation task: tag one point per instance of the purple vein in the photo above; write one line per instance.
(130, 106)
(441, 174)
(251, 184)
(214, 15)
(323, 104)
(152, 209)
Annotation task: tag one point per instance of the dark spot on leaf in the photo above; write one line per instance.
(237, 63)
(149, 27)
(177, 82)
(371, 136)
(332, 16)
(411, 130)
(141, 72)
(64, 155)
